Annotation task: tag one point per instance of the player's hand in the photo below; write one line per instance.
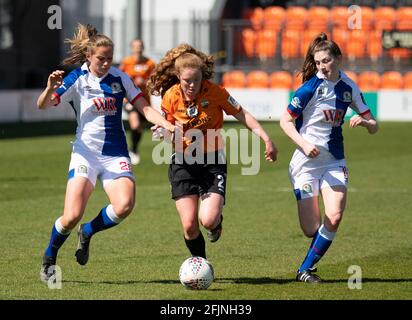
(157, 132)
(355, 121)
(271, 152)
(311, 151)
(55, 79)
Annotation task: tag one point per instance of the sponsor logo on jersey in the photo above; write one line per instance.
(296, 103)
(204, 103)
(233, 102)
(105, 106)
(334, 116)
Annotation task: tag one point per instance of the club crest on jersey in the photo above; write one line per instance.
(347, 96)
(116, 87)
(192, 110)
(306, 188)
(82, 169)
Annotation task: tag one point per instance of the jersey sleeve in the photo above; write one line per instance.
(167, 108)
(299, 101)
(358, 102)
(229, 104)
(65, 93)
(132, 93)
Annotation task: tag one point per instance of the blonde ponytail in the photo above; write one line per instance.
(86, 38)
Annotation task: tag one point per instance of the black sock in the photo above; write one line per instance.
(197, 247)
(136, 136)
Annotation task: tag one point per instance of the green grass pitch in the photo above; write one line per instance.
(261, 247)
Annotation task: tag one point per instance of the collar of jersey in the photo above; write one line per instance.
(85, 67)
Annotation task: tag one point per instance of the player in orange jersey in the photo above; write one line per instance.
(139, 68)
(192, 102)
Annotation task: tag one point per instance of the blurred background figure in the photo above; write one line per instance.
(139, 68)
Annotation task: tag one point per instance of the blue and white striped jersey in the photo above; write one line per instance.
(98, 103)
(319, 108)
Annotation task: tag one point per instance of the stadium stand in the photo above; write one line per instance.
(276, 37)
(257, 79)
(391, 80)
(281, 80)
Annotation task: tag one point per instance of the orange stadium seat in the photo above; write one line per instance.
(274, 17)
(255, 17)
(290, 43)
(296, 80)
(352, 75)
(407, 80)
(339, 16)
(266, 44)
(368, 17)
(374, 44)
(340, 36)
(281, 80)
(234, 79)
(391, 80)
(318, 17)
(385, 18)
(404, 18)
(257, 79)
(356, 46)
(249, 42)
(369, 81)
(296, 17)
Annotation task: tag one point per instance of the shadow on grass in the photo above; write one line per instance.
(241, 280)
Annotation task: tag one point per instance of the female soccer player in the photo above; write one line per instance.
(192, 102)
(313, 120)
(95, 91)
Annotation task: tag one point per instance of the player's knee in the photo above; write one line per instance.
(70, 220)
(335, 220)
(191, 230)
(310, 231)
(123, 208)
(210, 222)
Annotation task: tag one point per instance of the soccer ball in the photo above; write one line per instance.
(196, 273)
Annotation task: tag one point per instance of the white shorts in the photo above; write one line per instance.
(309, 175)
(87, 164)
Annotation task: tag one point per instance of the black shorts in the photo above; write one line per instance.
(197, 178)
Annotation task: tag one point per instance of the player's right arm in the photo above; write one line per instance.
(287, 123)
(47, 97)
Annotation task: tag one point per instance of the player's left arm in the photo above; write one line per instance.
(364, 117)
(151, 114)
(364, 120)
(252, 124)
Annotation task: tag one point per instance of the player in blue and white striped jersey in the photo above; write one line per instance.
(95, 91)
(313, 120)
